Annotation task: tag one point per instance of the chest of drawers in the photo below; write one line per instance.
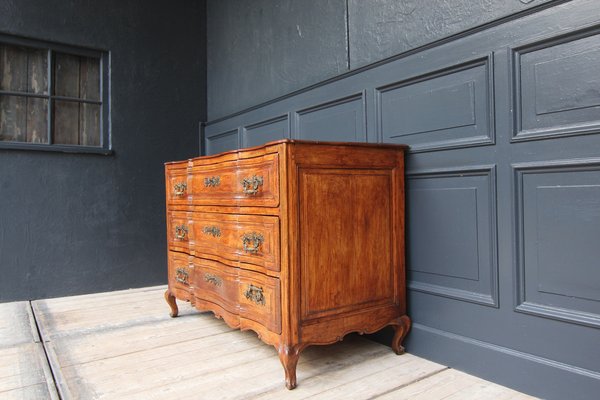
(301, 242)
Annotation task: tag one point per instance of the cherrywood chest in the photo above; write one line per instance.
(301, 242)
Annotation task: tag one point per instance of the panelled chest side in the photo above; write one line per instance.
(302, 242)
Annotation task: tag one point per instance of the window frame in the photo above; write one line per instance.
(51, 49)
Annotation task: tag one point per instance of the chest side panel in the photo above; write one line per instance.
(345, 240)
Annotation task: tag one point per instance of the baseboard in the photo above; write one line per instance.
(521, 371)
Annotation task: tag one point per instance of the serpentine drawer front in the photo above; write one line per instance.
(302, 242)
(243, 182)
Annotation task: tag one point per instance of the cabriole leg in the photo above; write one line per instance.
(172, 303)
(402, 326)
(288, 355)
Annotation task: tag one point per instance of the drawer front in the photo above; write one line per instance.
(260, 299)
(232, 238)
(176, 180)
(216, 283)
(247, 182)
(180, 274)
(178, 231)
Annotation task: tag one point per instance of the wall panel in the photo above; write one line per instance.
(448, 108)
(451, 231)
(337, 121)
(222, 142)
(265, 131)
(557, 87)
(558, 215)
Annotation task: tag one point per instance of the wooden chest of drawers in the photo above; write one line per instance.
(302, 242)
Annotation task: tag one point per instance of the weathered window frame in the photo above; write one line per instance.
(51, 49)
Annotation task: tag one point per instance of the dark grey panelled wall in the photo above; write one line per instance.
(86, 223)
(503, 189)
(262, 49)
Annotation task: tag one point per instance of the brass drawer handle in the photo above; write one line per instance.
(181, 231)
(255, 294)
(214, 279)
(251, 184)
(252, 241)
(179, 188)
(213, 181)
(182, 276)
(212, 230)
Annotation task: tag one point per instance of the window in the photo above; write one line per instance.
(52, 97)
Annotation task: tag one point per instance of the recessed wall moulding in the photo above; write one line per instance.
(452, 249)
(558, 210)
(557, 87)
(443, 109)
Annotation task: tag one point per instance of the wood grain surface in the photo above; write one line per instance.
(123, 345)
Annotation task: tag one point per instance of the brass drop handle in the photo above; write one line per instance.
(212, 230)
(252, 241)
(255, 294)
(252, 184)
(214, 279)
(181, 231)
(212, 181)
(182, 276)
(179, 188)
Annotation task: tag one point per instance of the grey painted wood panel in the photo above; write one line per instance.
(558, 87)
(339, 121)
(443, 109)
(265, 131)
(559, 219)
(451, 247)
(222, 142)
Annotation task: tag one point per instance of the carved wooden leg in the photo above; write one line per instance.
(288, 355)
(172, 303)
(402, 326)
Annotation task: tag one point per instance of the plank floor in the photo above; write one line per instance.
(123, 345)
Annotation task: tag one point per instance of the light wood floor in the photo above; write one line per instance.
(123, 345)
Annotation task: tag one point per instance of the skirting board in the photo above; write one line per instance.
(518, 370)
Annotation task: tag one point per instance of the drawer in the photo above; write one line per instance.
(231, 238)
(180, 275)
(246, 182)
(176, 180)
(216, 283)
(260, 299)
(178, 231)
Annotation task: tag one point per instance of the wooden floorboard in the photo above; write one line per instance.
(24, 370)
(124, 345)
(16, 324)
(453, 385)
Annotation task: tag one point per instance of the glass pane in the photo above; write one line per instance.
(23, 69)
(66, 122)
(37, 120)
(76, 76)
(89, 125)
(13, 118)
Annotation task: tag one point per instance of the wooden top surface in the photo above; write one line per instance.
(402, 147)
